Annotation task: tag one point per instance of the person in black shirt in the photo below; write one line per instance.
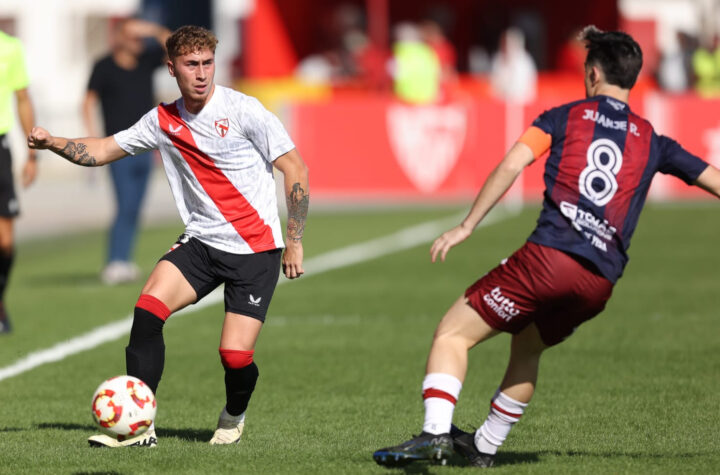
(122, 82)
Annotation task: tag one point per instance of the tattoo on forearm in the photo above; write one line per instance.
(77, 153)
(297, 203)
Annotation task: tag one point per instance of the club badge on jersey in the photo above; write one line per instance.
(222, 126)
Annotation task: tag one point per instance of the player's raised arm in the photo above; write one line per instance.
(497, 183)
(709, 180)
(87, 152)
(297, 195)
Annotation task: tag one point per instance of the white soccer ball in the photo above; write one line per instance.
(123, 407)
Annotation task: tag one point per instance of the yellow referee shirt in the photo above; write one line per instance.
(13, 77)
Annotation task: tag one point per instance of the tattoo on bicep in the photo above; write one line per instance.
(77, 153)
(297, 203)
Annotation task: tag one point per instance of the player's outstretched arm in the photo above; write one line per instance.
(87, 152)
(709, 180)
(27, 120)
(297, 195)
(497, 183)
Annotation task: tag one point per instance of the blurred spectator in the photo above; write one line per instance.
(706, 67)
(370, 61)
(675, 69)
(13, 82)
(513, 73)
(122, 83)
(416, 68)
(433, 35)
(478, 60)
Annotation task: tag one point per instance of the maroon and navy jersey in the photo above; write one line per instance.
(602, 160)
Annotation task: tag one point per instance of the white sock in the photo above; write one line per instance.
(440, 393)
(228, 417)
(504, 413)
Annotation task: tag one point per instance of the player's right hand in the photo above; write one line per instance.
(450, 238)
(39, 138)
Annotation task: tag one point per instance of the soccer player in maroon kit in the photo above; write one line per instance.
(601, 163)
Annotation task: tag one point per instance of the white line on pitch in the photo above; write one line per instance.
(354, 254)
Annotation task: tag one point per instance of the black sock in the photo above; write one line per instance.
(239, 386)
(145, 354)
(6, 262)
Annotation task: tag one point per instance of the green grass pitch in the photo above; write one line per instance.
(342, 356)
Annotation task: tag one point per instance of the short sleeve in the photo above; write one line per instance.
(141, 137)
(546, 121)
(264, 130)
(676, 161)
(18, 76)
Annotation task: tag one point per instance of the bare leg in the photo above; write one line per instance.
(239, 332)
(522, 371)
(516, 390)
(460, 329)
(167, 284)
(165, 292)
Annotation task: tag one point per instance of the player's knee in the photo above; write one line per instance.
(153, 305)
(236, 359)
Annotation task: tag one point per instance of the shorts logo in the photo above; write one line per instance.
(254, 301)
(503, 306)
(183, 239)
(222, 126)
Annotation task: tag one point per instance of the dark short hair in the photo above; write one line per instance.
(616, 53)
(189, 38)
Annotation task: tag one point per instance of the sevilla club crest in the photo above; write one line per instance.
(426, 141)
(222, 126)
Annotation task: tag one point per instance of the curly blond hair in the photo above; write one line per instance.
(189, 38)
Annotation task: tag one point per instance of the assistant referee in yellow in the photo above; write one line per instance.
(13, 82)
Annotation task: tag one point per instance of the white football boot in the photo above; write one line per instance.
(229, 429)
(146, 439)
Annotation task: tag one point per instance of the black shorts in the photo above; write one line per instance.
(9, 207)
(249, 279)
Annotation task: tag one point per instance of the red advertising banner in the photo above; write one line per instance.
(377, 148)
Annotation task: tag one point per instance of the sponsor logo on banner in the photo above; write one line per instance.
(222, 126)
(426, 141)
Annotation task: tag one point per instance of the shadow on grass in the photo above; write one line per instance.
(511, 458)
(66, 426)
(189, 435)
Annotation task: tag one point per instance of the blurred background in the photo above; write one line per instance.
(388, 101)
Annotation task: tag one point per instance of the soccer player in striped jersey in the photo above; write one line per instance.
(219, 148)
(602, 158)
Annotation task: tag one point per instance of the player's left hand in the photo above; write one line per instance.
(450, 238)
(292, 260)
(29, 172)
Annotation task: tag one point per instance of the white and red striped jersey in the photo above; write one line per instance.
(219, 166)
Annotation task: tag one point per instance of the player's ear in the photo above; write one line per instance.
(171, 68)
(594, 74)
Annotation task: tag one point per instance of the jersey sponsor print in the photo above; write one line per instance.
(602, 160)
